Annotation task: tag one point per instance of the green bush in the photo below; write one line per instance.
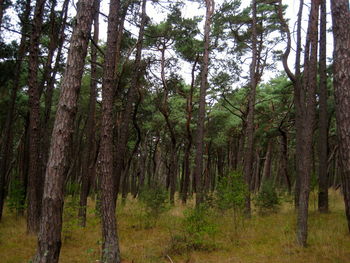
(155, 202)
(231, 191)
(230, 195)
(267, 200)
(197, 233)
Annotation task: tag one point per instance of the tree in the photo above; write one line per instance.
(89, 164)
(49, 238)
(323, 115)
(305, 120)
(34, 172)
(201, 115)
(110, 246)
(341, 82)
(249, 131)
(305, 110)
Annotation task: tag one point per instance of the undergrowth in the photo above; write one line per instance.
(264, 239)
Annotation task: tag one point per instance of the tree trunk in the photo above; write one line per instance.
(284, 159)
(323, 116)
(341, 81)
(88, 168)
(110, 243)
(306, 120)
(249, 131)
(131, 99)
(48, 92)
(189, 108)
(267, 163)
(49, 239)
(34, 173)
(202, 94)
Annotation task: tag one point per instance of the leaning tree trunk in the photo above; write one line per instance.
(201, 115)
(110, 244)
(323, 116)
(49, 239)
(341, 81)
(34, 173)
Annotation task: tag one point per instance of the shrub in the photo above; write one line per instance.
(267, 200)
(197, 233)
(230, 195)
(155, 202)
(231, 191)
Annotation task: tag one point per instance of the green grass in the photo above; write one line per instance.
(261, 239)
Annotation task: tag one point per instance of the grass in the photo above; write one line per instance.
(261, 239)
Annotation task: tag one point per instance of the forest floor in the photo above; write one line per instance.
(269, 238)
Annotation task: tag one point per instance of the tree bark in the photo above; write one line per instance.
(34, 173)
(88, 168)
(267, 163)
(131, 99)
(249, 130)
(202, 94)
(306, 120)
(49, 239)
(110, 243)
(341, 82)
(189, 109)
(48, 91)
(323, 116)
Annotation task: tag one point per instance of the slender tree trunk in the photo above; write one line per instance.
(307, 100)
(323, 116)
(34, 174)
(131, 99)
(164, 109)
(89, 162)
(341, 81)
(284, 159)
(202, 94)
(110, 243)
(49, 239)
(48, 92)
(267, 163)
(249, 131)
(189, 108)
(6, 149)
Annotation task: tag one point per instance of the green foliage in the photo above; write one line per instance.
(197, 233)
(230, 195)
(231, 191)
(155, 202)
(267, 200)
(16, 197)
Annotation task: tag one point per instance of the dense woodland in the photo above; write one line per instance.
(234, 109)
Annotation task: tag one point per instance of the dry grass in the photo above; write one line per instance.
(261, 239)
